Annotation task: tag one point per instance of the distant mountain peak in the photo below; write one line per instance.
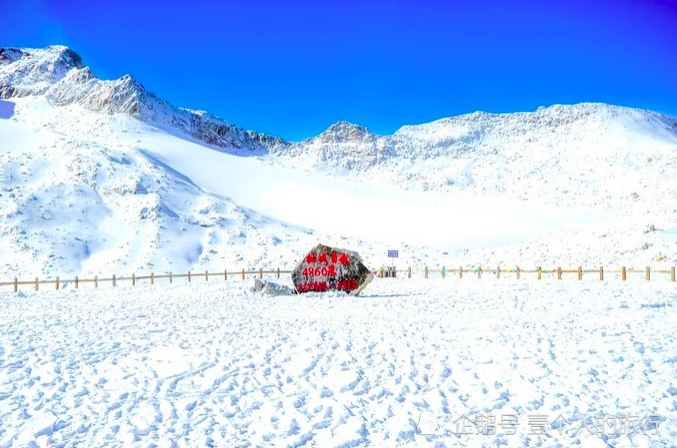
(343, 131)
(66, 56)
(342, 125)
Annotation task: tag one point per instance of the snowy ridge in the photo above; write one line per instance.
(586, 154)
(127, 96)
(59, 73)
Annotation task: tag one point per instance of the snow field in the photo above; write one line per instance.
(216, 364)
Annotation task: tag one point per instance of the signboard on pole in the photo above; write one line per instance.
(393, 254)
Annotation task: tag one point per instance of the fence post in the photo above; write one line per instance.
(648, 273)
(601, 273)
(442, 271)
(206, 275)
(36, 283)
(96, 281)
(278, 272)
(580, 272)
(426, 272)
(460, 272)
(518, 272)
(409, 272)
(260, 272)
(114, 282)
(498, 272)
(672, 274)
(243, 274)
(623, 274)
(76, 282)
(188, 276)
(559, 273)
(152, 278)
(540, 271)
(225, 274)
(133, 279)
(170, 277)
(57, 282)
(16, 284)
(479, 272)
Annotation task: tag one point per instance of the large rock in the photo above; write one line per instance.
(272, 289)
(326, 268)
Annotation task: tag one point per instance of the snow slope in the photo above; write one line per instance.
(82, 158)
(177, 201)
(217, 365)
(73, 200)
(585, 154)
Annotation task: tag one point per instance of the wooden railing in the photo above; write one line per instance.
(133, 279)
(460, 272)
(580, 272)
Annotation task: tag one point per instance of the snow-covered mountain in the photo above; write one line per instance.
(75, 196)
(586, 154)
(58, 73)
(99, 175)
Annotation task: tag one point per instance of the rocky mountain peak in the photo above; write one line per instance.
(31, 71)
(65, 56)
(342, 131)
(57, 73)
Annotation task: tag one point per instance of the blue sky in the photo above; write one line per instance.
(293, 68)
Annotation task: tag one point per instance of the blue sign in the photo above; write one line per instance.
(392, 254)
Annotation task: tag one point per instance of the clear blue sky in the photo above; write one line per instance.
(293, 68)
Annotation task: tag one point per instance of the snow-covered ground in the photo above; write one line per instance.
(217, 364)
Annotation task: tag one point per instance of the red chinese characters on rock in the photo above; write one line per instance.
(342, 285)
(326, 268)
(323, 266)
(344, 260)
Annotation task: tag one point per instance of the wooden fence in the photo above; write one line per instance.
(479, 272)
(133, 279)
(539, 272)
